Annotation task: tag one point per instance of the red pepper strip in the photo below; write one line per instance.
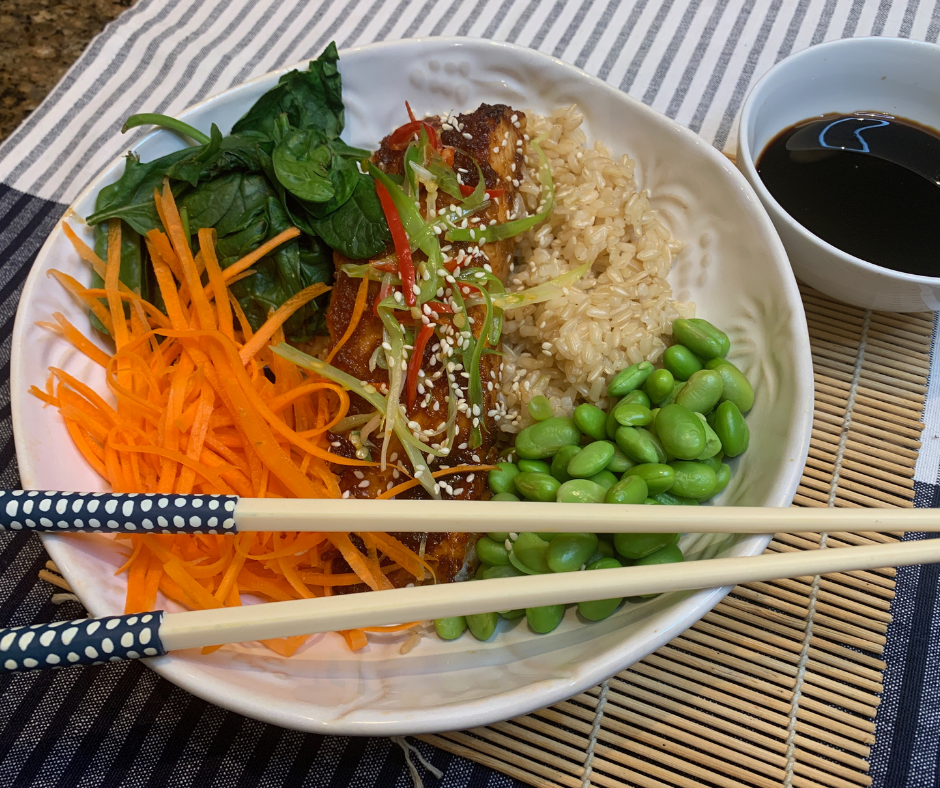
(437, 306)
(386, 268)
(414, 364)
(402, 135)
(406, 268)
(411, 114)
(384, 292)
(466, 191)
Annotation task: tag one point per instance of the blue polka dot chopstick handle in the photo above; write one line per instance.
(117, 512)
(89, 641)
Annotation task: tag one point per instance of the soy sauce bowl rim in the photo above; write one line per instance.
(747, 160)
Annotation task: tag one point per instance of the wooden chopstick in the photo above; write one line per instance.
(261, 514)
(64, 512)
(379, 608)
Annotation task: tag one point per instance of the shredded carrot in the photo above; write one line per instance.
(392, 628)
(276, 320)
(73, 335)
(189, 409)
(250, 259)
(355, 638)
(222, 305)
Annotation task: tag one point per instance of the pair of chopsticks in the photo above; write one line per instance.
(91, 641)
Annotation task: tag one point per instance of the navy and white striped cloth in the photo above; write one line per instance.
(694, 60)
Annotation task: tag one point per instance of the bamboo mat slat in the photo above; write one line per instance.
(779, 684)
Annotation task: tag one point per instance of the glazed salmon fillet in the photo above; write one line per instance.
(493, 138)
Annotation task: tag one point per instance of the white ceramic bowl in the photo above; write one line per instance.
(734, 268)
(891, 75)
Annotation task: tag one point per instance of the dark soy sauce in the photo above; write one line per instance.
(867, 183)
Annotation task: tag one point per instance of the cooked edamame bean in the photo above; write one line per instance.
(736, 389)
(652, 502)
(608, 562)
(537, 486)
(639, 444)
(637, 397)
(604, 550)
(680, 432)
(714, 461)
(569, 552)
(494, 572)
(492, 552)
(529, 554)
(601, 608)
(500, 478)
(669, 499)
(731, 428)
(544, 438)
(533, 466)
(723, 475)
(450, 628)
(659, 385)
(498, 536)
(506, 496)
(680, 384)
(592, 459)
(693, 480)
(619, 462)
(702, 391)
(544, 619)
(629, 379)
(611, 424)
(712, 442)
(632, 414)
(670, 554)
(630, 489)
(580, 491)
(540, 408)
(481, 570)
(681, 362)
(657, 476)
(482, 625)
(560, 462)
(636, 546)
(605, 479)
(511, 615)
(590, 420)
(702, 338)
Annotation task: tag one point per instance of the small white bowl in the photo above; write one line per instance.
(892, 75)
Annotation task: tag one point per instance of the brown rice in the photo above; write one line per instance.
(617, 315)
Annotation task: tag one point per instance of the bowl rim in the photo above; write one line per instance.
(747, 161)
(691, 606)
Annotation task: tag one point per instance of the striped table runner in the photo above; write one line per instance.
(694, 60)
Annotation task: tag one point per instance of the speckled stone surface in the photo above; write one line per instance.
(39, 40)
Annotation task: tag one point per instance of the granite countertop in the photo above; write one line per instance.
(39, 40)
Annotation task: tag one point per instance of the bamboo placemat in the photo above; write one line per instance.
(779, 684)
